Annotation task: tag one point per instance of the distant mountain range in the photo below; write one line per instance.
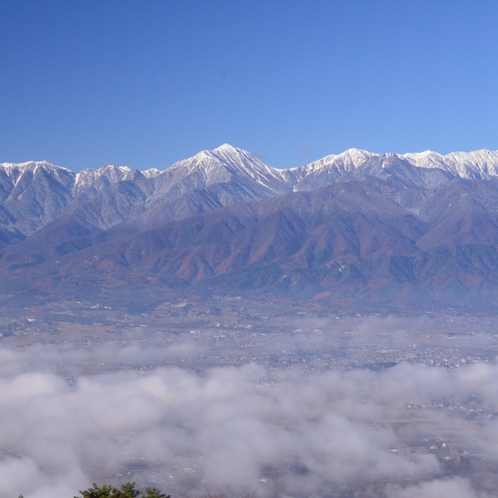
(356, 230)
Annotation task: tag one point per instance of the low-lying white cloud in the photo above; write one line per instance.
(442, 488)
(233, 430)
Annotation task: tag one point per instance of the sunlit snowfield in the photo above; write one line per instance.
(326, 407)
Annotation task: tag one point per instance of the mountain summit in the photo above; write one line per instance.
(226, 164)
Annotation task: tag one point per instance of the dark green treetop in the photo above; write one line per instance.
(127, 491)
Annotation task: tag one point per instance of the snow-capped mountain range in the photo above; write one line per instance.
(34, 193)
(355, 224)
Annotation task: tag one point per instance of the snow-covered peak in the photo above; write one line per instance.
(109, 174)
(31, 165)
(223, 154)
(109, 169)
(226, 148)
(336, 165)
(17, 171)
(476, 164)
(224, 164)
(151, 173)
(357, 155)
(426, 159)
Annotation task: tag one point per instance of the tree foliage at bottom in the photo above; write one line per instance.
(127, 491)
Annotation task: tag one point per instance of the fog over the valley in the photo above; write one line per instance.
(236, 430)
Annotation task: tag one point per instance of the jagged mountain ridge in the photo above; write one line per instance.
(34, 193)
(362, 227)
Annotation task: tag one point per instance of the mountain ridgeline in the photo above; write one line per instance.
(356, 230)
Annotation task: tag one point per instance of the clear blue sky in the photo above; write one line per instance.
(84, 83)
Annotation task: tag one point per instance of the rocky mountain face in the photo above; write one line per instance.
(354, 230)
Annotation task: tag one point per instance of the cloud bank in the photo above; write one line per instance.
(236, 430)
